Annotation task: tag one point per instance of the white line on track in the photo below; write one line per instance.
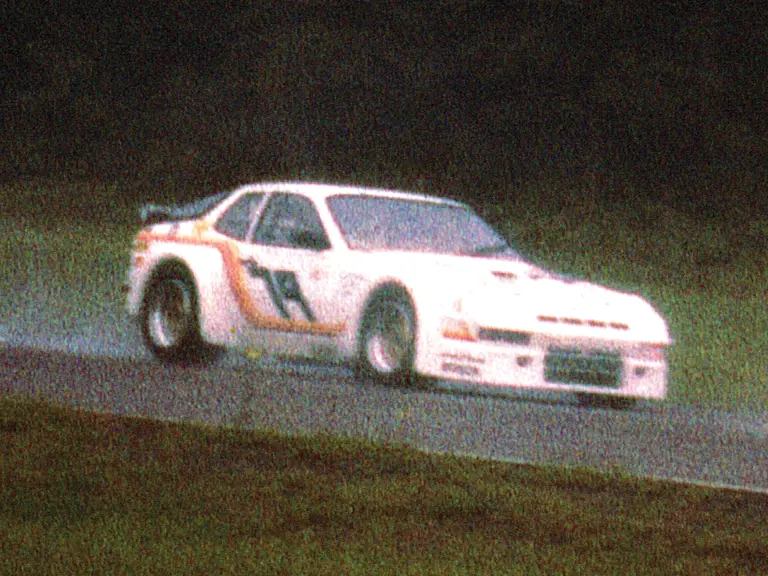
(671, 479)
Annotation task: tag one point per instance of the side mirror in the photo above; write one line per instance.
(310, 240)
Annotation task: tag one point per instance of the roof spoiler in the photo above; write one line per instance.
(155, 213)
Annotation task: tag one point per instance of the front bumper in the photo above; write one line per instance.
(593, 366)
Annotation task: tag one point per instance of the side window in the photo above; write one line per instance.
(238, 217)
(291, 221)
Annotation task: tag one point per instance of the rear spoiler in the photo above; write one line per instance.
(155, 213)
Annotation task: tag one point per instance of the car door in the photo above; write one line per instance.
(290, 274)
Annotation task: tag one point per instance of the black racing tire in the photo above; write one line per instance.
(587, 400)
(169, 318)
(387, 340)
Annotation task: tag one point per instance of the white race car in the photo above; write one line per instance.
(407, 287)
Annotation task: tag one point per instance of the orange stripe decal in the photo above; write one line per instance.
(236, 280)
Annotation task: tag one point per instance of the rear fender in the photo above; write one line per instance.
(205, 273)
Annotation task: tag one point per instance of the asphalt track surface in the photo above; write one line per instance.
(99, 364)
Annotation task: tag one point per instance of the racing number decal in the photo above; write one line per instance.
(282, 286)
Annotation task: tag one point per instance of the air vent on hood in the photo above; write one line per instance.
(583, 322)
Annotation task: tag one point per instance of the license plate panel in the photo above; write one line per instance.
(583, 367)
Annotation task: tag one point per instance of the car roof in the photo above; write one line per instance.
(321, 191)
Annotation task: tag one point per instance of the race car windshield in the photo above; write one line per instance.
(381, 223)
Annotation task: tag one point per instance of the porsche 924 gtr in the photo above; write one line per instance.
(406, 287)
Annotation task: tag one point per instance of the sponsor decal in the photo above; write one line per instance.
(200, 227)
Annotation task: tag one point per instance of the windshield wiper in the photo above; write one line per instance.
(490, 249)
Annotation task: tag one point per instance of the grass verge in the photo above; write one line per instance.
(87, 493)
(62, 281)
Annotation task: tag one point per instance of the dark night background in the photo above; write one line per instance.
(660, 102)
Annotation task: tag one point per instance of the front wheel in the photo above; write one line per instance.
(169, 320)
(387, 339)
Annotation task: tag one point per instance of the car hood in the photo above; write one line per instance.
(511, 293)
(565, 307)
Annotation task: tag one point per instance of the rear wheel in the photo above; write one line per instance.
(387, 339)
(169, 321)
